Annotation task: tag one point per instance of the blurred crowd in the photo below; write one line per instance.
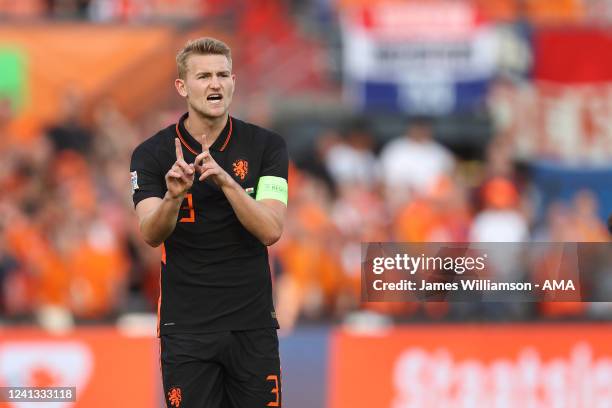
(412, 189)
(104, 10)
(70, 246)
(129, 10)
(544, 11)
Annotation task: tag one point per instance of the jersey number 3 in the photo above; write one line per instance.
(188, 206)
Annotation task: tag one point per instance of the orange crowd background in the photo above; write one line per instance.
(69, 241)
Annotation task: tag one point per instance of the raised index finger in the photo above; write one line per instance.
(204, 141)
(179, 149)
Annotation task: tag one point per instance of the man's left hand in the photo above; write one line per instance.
(206, 166)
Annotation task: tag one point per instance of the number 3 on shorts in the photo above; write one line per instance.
(274, 391)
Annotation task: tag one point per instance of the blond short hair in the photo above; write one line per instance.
(201, 46)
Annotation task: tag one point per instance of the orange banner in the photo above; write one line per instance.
(107, 368)
(91, 59)
(473, 366)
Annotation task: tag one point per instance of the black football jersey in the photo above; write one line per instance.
(215, 275)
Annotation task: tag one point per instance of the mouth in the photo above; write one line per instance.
(214, 98)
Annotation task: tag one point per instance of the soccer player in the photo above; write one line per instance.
(212, 191)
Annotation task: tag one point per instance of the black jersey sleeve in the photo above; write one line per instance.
(147, 175)
(275, 157)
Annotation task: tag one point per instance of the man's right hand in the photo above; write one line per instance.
(179, 178)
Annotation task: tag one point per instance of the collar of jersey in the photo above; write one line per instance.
(194, 146)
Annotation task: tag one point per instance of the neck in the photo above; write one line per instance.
(197, 125)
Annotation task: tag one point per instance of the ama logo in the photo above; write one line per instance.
(45, 364)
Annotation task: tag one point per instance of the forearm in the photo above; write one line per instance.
(158, 224)
(258, 219)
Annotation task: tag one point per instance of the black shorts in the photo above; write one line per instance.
(237, 369)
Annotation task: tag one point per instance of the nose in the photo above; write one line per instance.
(214, 83)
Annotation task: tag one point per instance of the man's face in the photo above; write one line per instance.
(208, 85)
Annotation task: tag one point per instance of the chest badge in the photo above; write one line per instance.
(241, 168)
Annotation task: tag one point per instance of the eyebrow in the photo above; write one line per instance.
(225, 71)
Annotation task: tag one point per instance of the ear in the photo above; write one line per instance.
(179, 84)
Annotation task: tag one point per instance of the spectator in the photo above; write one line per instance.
(69, 133)
(351, 160)
(414, 162)
(441, 214)
(314, 162)
(500, 221)
(587, 226)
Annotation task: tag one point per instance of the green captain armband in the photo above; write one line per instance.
(273, 188)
